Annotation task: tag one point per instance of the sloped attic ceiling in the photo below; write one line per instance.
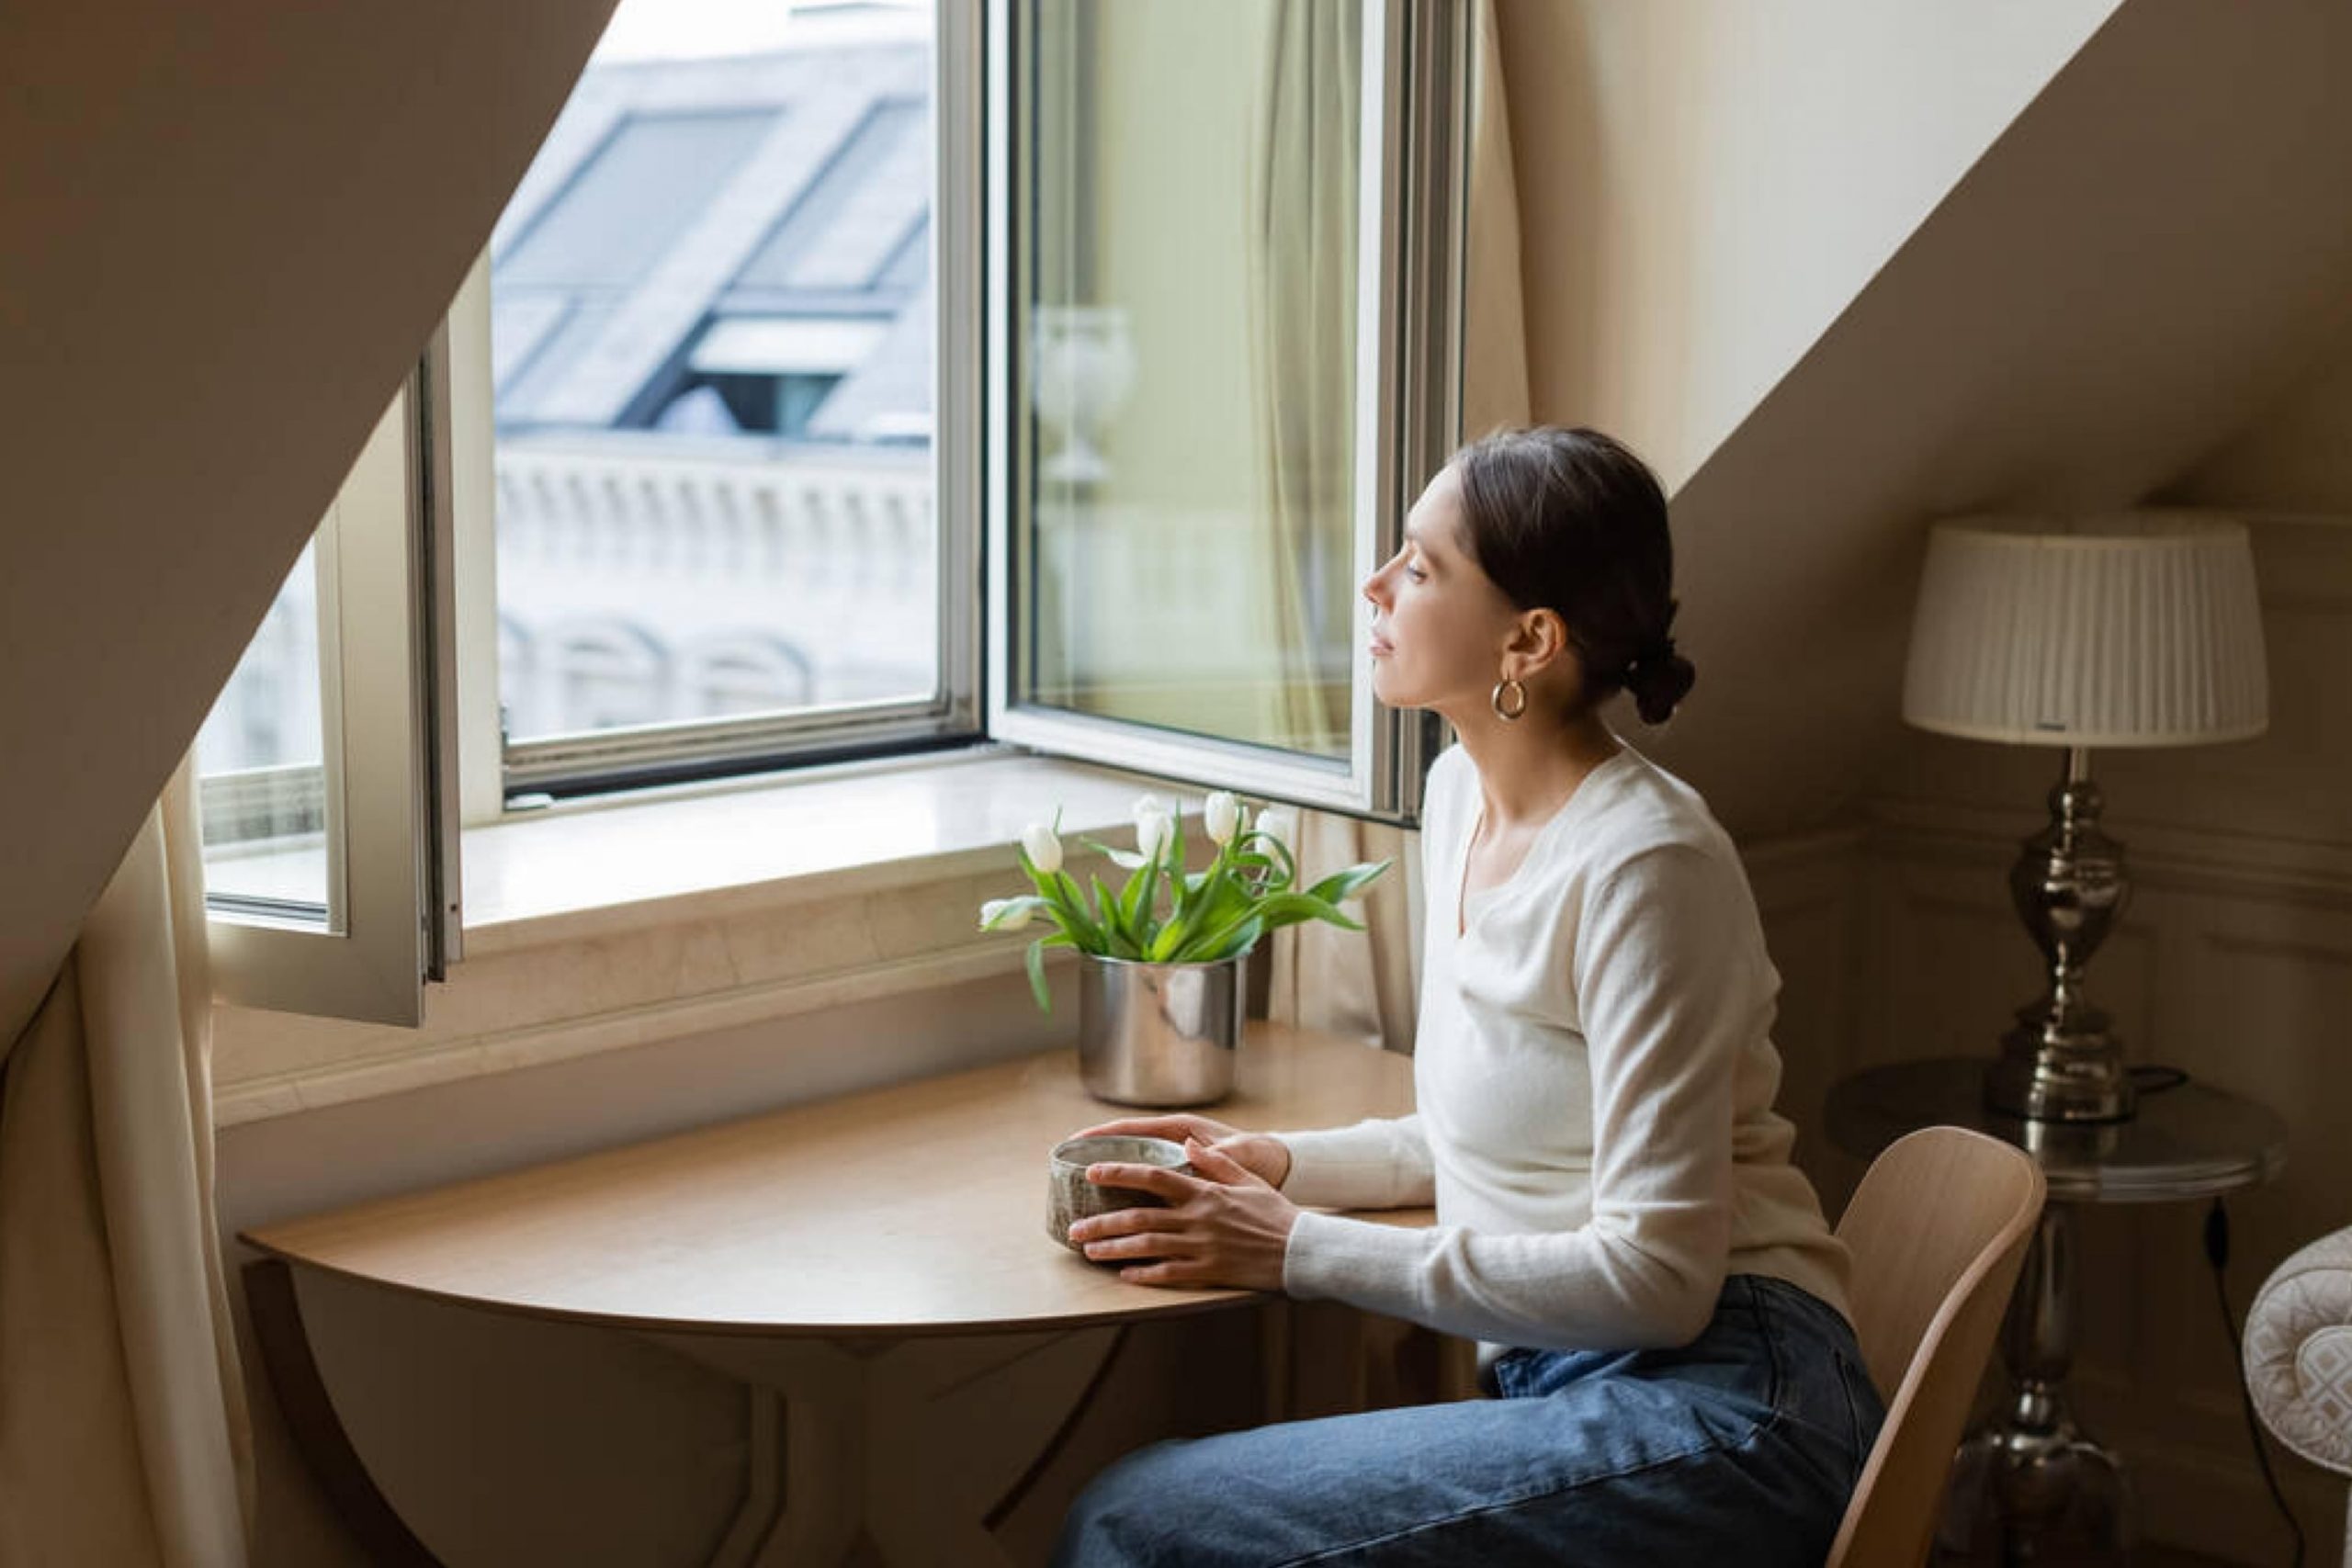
(2156, 249)
(226, 230)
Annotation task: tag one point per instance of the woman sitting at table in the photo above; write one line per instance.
(1659, 1301)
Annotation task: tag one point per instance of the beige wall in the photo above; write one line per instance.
(2102, 298)
(2293, 458)
(1708, 183)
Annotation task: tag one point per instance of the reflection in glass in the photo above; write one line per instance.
(1187, 203)
(261, 779)
(712, 356)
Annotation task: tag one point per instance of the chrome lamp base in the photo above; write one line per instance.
(2061, 1063)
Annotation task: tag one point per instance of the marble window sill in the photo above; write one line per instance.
(607, 926)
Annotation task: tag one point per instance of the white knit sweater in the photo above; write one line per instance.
(1594, 1074)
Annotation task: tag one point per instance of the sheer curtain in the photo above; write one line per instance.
(1367, 985)
(123, 1434)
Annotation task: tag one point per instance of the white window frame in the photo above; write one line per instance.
(388, 743)
(1407, 412)
(528, 771)
(407, 554)
(1416, 53)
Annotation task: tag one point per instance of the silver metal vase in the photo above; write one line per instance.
(1161, 1035)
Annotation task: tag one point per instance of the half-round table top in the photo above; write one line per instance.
(915, 1209)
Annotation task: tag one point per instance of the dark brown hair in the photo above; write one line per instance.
(1570, 521)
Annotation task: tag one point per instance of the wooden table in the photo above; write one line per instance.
(851, 1260)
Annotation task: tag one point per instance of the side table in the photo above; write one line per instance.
(2030, 1485)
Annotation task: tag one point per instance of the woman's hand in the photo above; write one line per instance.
(1262, 1155)
(1225, 1226)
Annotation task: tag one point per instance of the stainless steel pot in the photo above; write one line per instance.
(1161, 1035)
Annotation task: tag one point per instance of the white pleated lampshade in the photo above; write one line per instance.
(2138, 629)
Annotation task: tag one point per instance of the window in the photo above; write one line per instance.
(1226, 367)
(852, 376)
(330, 870)
(714, 358)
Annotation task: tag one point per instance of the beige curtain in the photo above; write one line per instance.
(123, 1436)
(1495, 385)
(1367, 985)
(1302, 229)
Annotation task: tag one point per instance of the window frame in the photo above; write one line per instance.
(410, 547)
(530, 773)
(392, 912)
(1417, 57)
(1408, 411)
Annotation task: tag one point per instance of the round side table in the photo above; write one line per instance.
(2030, 1485)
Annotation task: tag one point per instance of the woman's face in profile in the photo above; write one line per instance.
(1439, 623)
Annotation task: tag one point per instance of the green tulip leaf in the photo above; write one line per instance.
(1036, 964)
(1346, 884)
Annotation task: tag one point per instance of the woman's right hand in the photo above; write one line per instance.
(1262, 1155)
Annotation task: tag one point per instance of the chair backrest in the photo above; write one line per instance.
(1938, 1230)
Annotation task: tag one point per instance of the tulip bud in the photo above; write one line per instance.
(994, 915)
(1152, 830)
(1043, 849)
(1280, 823)
(1222, 814)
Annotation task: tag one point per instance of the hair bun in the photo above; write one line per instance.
(1659, 680)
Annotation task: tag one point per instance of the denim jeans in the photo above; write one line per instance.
(1741, 1447)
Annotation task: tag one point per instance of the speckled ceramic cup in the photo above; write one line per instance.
(1069, 1197)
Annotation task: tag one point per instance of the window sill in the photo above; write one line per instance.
(598, 926)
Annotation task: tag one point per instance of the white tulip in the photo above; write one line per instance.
(993, 917)
(1280, 823)
(1152, 830)
(1222, 813)
(1043, 849)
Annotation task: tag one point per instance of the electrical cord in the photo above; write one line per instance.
(2216, 1253)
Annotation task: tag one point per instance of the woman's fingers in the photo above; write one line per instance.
(1128, 1127)
(1120, 1222)
(1219, 1166)
(1173, 1185)
(1175, 1128)
(1159, 1243)
(1167, 1272)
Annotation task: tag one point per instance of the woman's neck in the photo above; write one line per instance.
(1529, 768)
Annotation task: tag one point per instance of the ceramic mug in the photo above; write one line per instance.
(1069, 1197)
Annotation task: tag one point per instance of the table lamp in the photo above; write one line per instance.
(2138, 629)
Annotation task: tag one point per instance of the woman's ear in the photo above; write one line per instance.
(1538, 639)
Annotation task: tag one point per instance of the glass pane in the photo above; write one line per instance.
(712, 353)
(1186, 207)
(261, 779)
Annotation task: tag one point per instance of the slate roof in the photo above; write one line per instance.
(674, 200)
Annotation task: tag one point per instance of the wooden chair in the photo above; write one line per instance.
(1938, 1230)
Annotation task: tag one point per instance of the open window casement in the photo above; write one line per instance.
(330, 865)
(1224, 327)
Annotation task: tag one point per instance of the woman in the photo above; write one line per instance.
(1659, 1302)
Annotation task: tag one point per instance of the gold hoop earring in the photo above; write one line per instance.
(1518, 695)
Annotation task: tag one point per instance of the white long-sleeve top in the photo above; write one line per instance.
(1593, 1077)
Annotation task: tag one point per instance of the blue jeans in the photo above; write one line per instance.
(1741, 1447)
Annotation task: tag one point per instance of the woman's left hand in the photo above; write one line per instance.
(1224, 1226)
